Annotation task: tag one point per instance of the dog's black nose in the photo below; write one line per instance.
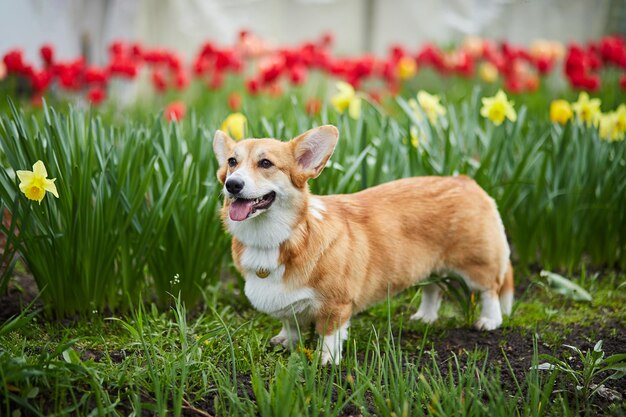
(234, 185)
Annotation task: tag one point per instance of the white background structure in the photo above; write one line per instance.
(76, 26)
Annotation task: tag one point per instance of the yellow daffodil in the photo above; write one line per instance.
(488, 72)
(235, 125)
(608, 127)
(587, 110)
(35, 183)
(620, 116)
(347, 98)
(430, 105)
(406, 67)
(560, 111)
(497, 108)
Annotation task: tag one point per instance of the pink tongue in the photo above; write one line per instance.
(240, 209)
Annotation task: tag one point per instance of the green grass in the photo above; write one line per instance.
(218, 360)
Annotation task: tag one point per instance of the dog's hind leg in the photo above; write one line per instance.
(429, 307)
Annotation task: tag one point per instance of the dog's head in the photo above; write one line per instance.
(266, 175)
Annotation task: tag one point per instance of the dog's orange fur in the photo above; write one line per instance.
(381, 240)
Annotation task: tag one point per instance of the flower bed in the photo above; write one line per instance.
(265, 68)
(136, 213)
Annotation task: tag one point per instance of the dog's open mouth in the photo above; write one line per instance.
(242, 208)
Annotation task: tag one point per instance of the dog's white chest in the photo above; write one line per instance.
(270, 295)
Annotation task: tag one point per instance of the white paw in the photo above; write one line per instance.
(485, 323)
(284, 341)
(425, 316)
(328, 359)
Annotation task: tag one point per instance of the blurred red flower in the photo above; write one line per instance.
(175, 111)
(234, 102)
(95, 75)
(96, 95)
(253, 86)
(47, 54)
(158, 80)
(313, 106)
(181, 80)
(14, 61)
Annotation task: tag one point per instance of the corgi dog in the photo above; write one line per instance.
(320, 259)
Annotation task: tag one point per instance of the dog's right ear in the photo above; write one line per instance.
(222, 146)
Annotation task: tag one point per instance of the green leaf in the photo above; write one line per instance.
(564, 286)
(70, 356)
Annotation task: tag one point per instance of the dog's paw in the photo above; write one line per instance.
(328, 359)
(485, 323)
(280, 340)
(425, 316)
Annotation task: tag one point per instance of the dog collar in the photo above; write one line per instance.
(262, 273)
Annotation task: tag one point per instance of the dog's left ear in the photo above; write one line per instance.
(313, 148)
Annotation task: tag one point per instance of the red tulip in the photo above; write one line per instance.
(14, 61)
(96, 95)
(253, 86)
(175, 111)
(40, 81)
(95, 75)
(158, 80)
(47, 54)
(298, 74)
(181, 80)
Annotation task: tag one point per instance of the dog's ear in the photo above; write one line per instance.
(313, 148)
(222, 146)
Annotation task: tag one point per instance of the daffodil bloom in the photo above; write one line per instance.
(406, 67)
(497, 108)
(608, 127)
(587, 110)
(560, 111)
(488, 72)
(35, 183)
(620, 118)
(235, 125)
(430, 105)
(347, 98)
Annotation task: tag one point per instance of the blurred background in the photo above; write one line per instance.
(87, 27)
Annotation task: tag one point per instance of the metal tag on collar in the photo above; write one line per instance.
(262, 273)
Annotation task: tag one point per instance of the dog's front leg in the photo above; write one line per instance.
(332, 326)
(288, 336)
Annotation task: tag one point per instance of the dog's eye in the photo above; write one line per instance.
(265, 163)
(232, 162)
